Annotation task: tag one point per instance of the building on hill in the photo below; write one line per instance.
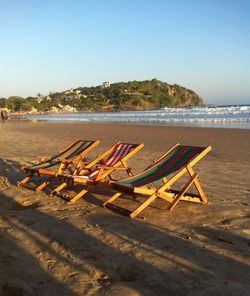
(39, 100)
(105, 84)
(54, 109)
(68, 108)
(33, 110)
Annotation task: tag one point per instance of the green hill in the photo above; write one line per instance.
(153, 94)
(132, 95)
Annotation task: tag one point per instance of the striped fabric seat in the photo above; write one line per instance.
(120, 151)
(165, 166)
(100, 169)
(169, 168)
(65, 160)
(69, 153)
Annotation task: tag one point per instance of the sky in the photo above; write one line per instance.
(54, 45)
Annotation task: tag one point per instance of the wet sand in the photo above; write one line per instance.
(49, 247)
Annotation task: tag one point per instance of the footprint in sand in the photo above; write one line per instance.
(4, 183)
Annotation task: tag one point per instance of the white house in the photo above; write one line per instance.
(105, 84)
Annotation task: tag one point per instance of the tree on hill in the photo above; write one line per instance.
(131, 95)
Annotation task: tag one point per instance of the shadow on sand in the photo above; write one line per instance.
(46, 253)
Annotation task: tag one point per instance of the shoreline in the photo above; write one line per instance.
(179, 125)
(225, 117)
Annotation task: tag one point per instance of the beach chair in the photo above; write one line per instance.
(68, 159)
(98, 170)
(179, 160)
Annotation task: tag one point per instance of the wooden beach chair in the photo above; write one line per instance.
(98, 170)
(68, 159)
(179, 160)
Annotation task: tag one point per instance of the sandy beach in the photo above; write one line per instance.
(49, 247)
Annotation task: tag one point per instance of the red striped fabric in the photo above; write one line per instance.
(118, 153)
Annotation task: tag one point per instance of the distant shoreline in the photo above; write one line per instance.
(217, 117)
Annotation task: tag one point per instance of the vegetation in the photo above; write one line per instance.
(133, 95)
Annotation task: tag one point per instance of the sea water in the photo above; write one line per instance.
(226, 117)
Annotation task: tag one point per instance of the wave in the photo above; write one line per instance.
(230, 116)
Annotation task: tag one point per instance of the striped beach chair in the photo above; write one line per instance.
(168, 168)
(68, 159)
(98, 170)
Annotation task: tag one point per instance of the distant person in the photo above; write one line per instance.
(4, 115)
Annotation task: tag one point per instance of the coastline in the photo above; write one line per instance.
(83, 249)
(218, 117)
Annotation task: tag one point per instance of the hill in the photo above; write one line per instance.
(132, 95)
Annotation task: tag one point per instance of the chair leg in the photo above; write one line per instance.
(25, 180)
(182, 192)
(111, 199)
(78, 196)
(198, 186)
(45, 183)
(143, 206)
(59, 188)
(200, 191)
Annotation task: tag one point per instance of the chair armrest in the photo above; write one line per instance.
(88, 162)
(65, 161)
(112, 168)
(104, 168)
(42, 158)
(85, 162)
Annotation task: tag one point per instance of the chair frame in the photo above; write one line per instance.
(104, 172)
(165, 192)
(64, 165)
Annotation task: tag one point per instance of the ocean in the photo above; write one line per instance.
(216, 117)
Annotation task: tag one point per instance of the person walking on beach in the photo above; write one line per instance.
(4, 115)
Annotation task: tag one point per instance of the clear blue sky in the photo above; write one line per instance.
(54, 45)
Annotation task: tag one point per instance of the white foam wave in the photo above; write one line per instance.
(231, 116)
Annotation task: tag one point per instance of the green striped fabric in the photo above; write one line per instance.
(171, 163)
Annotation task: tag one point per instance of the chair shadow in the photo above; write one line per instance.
(20, 271)
(191, 266)
(87, 253)
(11, 169)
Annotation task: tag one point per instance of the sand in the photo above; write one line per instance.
(48, 247)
